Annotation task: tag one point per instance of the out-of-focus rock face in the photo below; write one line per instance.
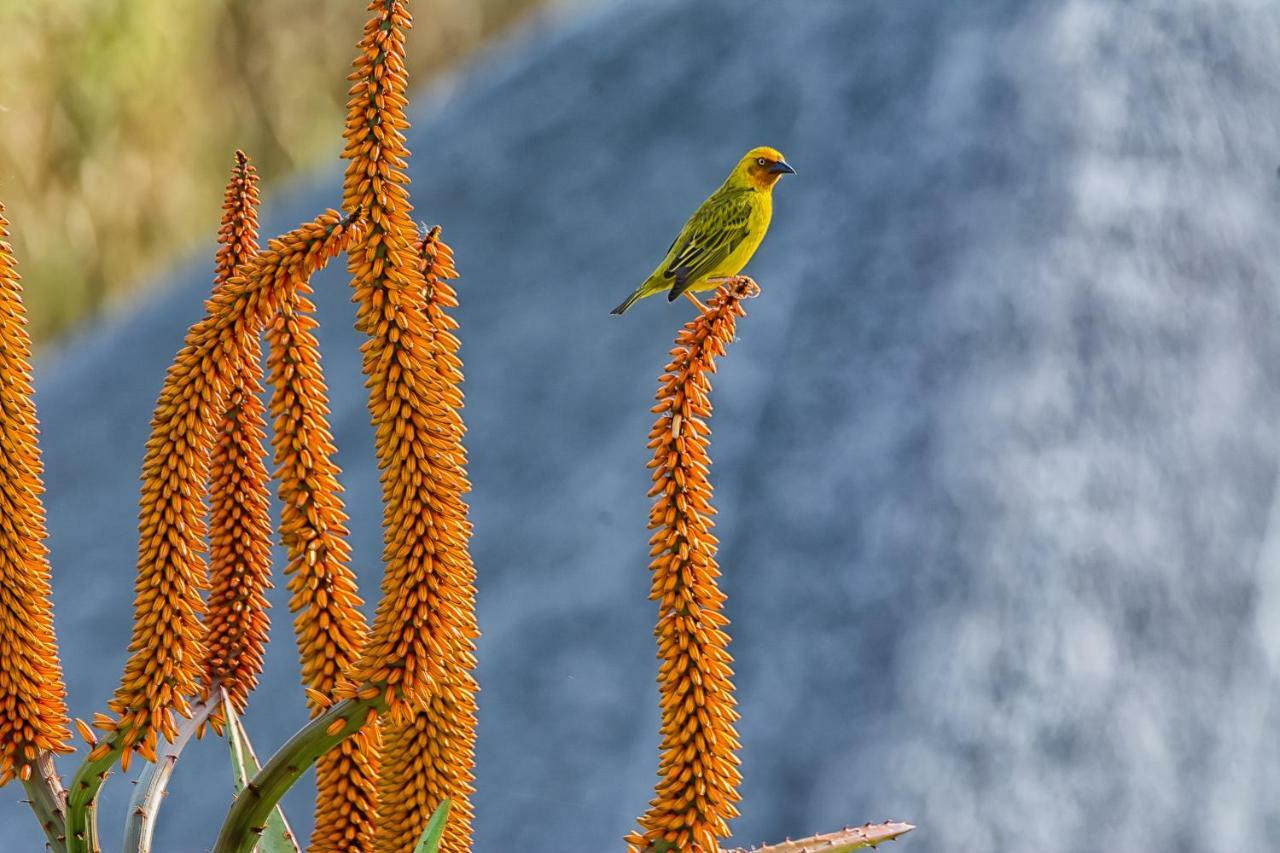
(995, 453)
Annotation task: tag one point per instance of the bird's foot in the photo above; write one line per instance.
(695, 301)
(745, 285)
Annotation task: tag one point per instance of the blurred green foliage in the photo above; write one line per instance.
(118, 119)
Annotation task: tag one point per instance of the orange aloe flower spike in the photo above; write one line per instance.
(421, 648)
(167, 648)
(329, 626)
(236, 620)
(698, 774)
(33, 711)
(416, 773)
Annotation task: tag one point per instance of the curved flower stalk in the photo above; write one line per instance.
(329, 626)
(426, 760)
(699, 777)
(33, 711)
(420, 653)
(247, 818)
(236, 620)
(168, 644)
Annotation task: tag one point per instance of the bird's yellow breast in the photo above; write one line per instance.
(761, 214)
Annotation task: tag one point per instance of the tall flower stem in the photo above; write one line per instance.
(421, 649)
(236, 620)
(33, 711)
(167, 647)
(698, 773)
(152, 784)
(82, 797)
(329, 626)
(48, 800)
(426, 759)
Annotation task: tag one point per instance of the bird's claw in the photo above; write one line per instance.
(746, 285)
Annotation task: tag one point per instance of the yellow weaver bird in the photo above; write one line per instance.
(722, 234)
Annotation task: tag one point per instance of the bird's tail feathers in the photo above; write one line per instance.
(628, 302)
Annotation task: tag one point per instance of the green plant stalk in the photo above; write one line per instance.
(848, 839)
(276, 836)
(249, 812)
(82, 801)
(48, 800)
(149, 789)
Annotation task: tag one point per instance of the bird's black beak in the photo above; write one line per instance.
(781, 168)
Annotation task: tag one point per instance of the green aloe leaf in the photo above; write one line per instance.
(277, 837)
(430, 841)
(845, 841)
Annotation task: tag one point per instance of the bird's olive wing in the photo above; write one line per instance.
(709, 238)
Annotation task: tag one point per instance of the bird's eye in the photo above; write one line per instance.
(760, 161)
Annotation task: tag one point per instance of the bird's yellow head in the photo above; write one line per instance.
(760, 168)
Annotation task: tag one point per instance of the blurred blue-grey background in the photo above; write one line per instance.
(995, 454)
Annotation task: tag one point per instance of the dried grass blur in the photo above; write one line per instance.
(117, 118)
